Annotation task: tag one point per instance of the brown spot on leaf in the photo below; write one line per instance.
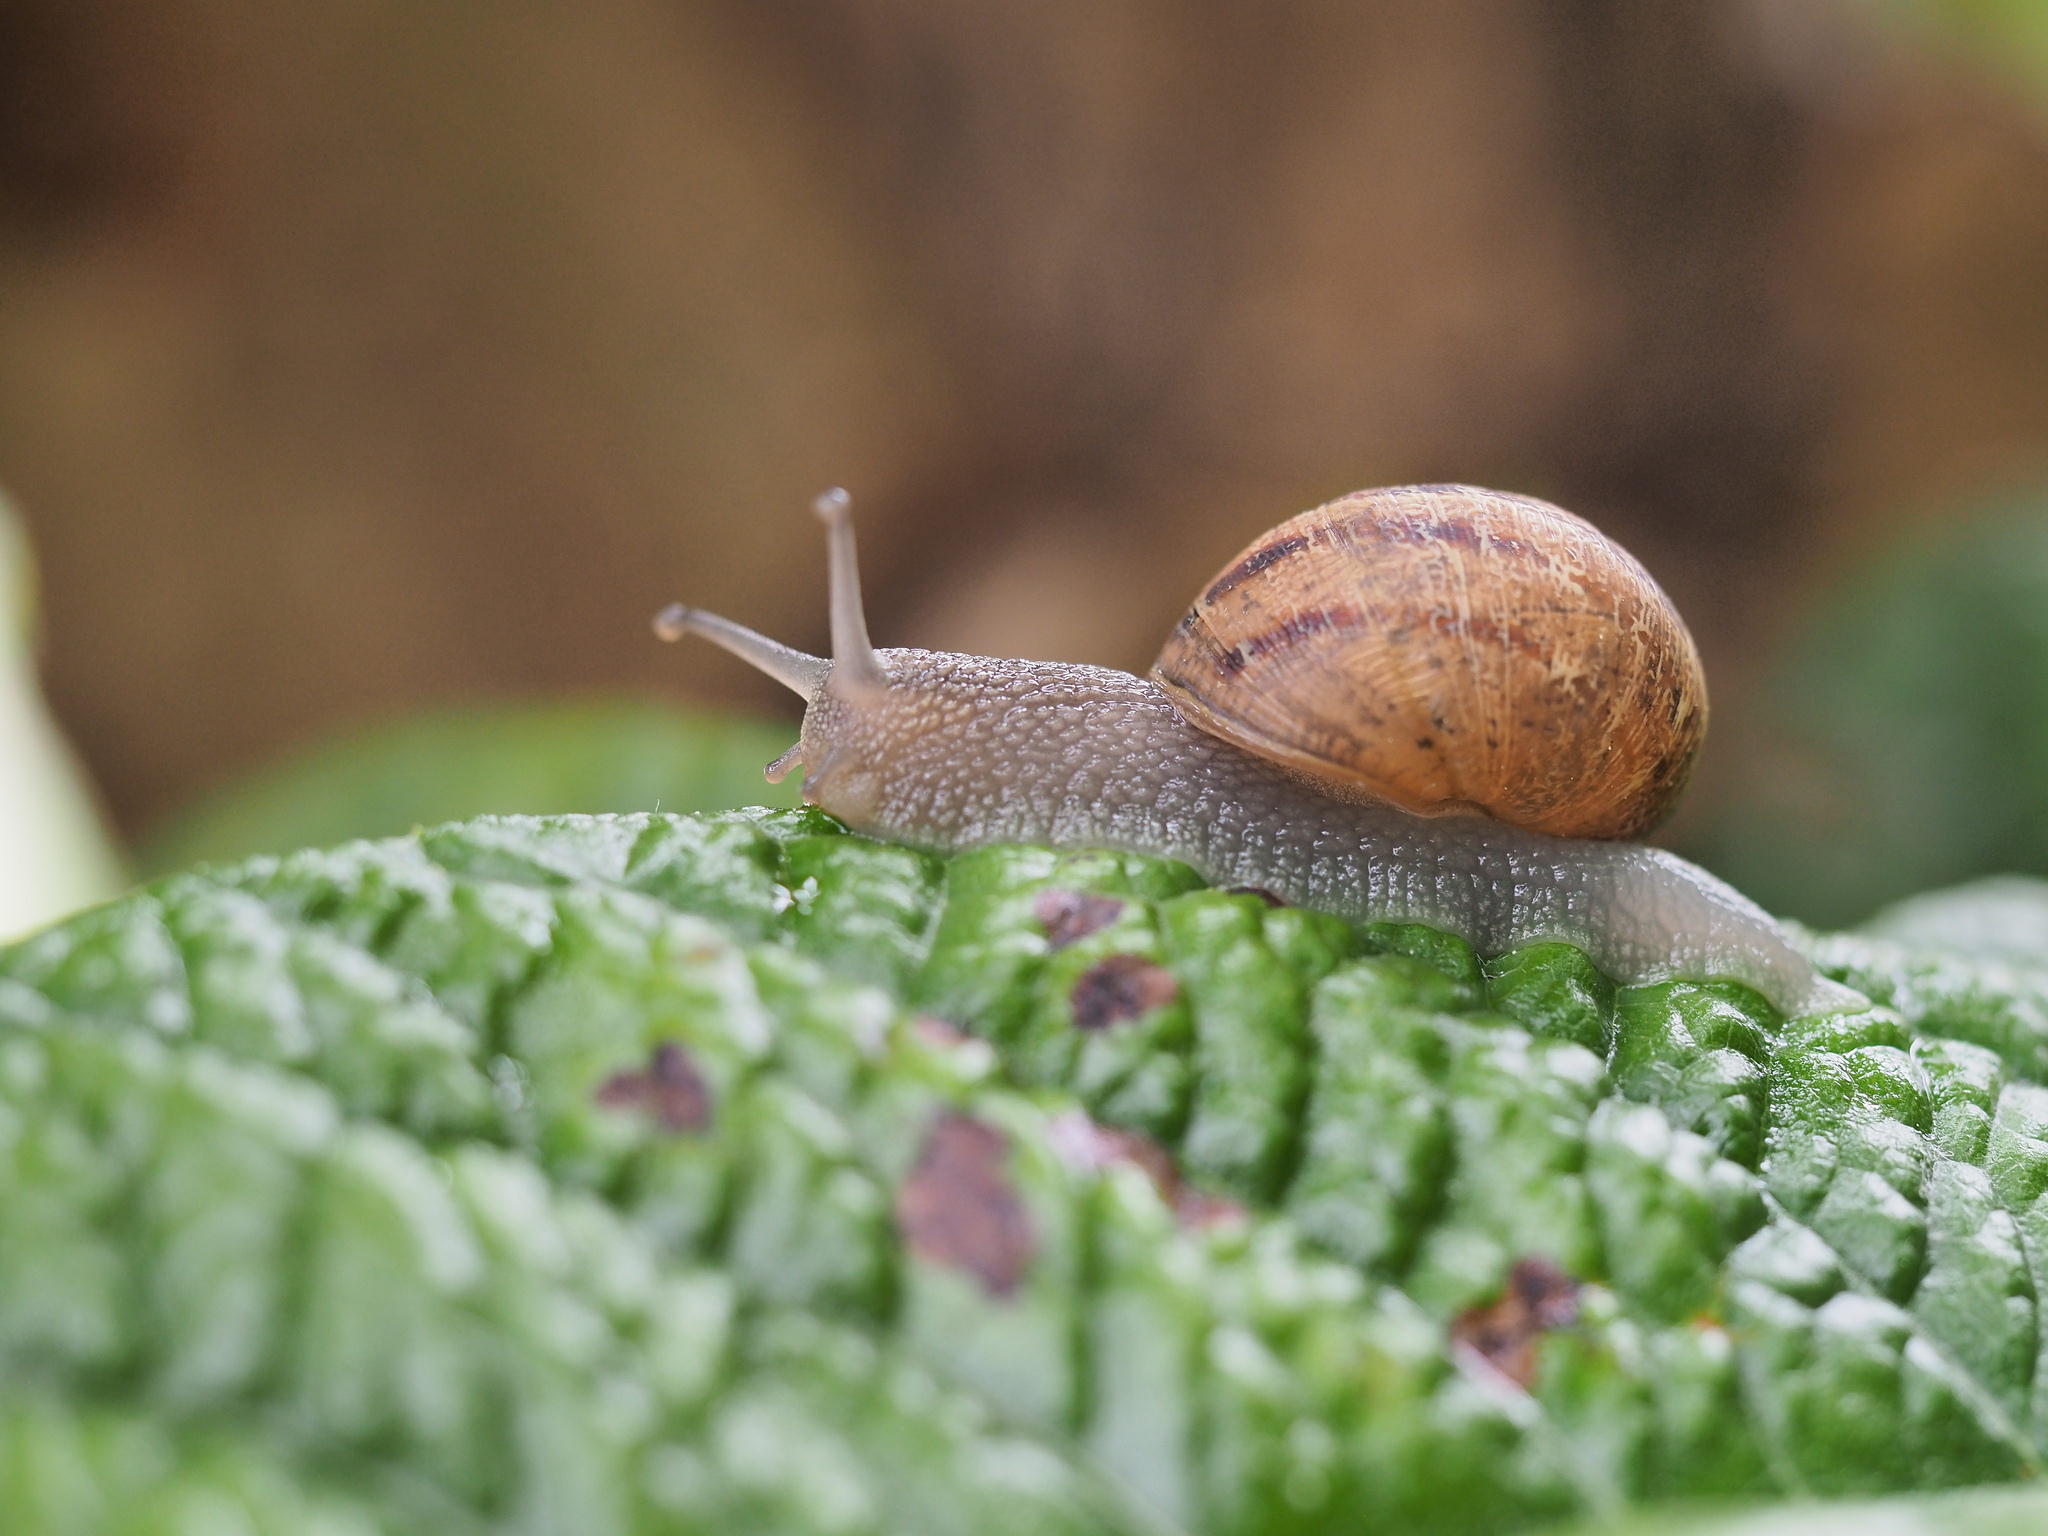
(1539, 1298)
(1083, 1144)
(933, 1030)
(1199, 1208)
(668, 1089)
(1070, 915)
(1120, 987)
(958, 1207)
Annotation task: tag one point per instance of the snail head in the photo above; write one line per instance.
(857, 714)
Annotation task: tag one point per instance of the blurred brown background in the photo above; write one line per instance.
(361, 357)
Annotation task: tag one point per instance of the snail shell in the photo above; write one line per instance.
(1451, 650)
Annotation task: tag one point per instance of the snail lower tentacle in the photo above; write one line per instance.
(965, 751)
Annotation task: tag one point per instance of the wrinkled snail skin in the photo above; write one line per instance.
(949, 752)
(964, 751)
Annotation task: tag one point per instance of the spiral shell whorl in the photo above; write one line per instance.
(1451, 650)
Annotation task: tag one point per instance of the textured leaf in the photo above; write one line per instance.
(1990, 1512)
(653, 1173)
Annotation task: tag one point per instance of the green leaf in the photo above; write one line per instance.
(1899, 740)
(537, 759)
(2008, 36)
(2000, 918)
(1990, 1512)
(653, 1173)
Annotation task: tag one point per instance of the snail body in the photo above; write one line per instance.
(949, 751)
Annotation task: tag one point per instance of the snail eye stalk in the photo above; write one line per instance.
(854, 663)
(853, 667)
(798, 671)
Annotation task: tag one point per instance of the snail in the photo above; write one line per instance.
(1431, 704)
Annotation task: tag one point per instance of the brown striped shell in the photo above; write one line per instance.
(1452, 650)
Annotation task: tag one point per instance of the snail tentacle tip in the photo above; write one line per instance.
(673, 622)
(833, 504)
